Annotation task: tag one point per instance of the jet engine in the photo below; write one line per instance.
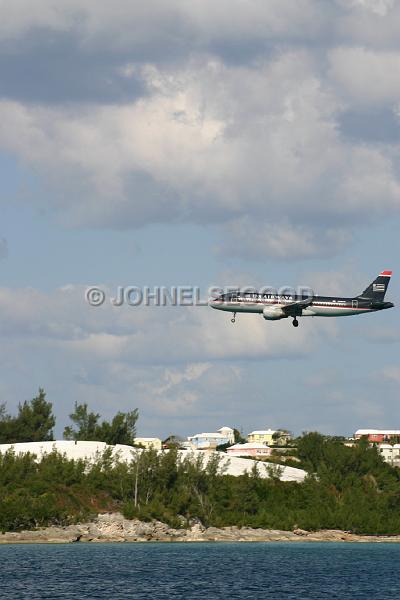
(273, 313)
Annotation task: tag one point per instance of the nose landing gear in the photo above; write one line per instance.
(233, 320)
(295, 322)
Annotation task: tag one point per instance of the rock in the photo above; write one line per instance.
(197, 528)
(113, 527)
(299, 531)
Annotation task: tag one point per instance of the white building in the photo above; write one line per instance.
(208, 441)
(389, 453)
(228, 432)
(149, 442)
(249, 449)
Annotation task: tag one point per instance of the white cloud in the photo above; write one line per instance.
(391, 373)
(212, 143)
(248, 139)
(234, 28)
(130, 24)
(346, 282)
(226, 113)
(18, 17)
(142, 335)
(366, 76)
(175, 364)
(372, 24)
(377, 7)
(248, 238)
(190, 390)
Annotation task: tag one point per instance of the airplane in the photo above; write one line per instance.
(281, 306)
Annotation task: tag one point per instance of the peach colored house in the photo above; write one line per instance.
(249, 449)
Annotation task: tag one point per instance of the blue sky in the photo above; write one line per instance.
(243, 143)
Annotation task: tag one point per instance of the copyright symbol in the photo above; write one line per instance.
(95, 296)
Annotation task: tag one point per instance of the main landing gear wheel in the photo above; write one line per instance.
(233, 320)
(295, 323)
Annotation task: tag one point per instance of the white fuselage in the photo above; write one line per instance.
(320, 307)
(275, 306)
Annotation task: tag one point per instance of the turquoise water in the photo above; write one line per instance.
(193, 571)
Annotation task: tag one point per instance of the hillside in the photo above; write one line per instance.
(346, 488)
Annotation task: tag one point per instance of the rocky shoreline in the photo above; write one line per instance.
(113, 527)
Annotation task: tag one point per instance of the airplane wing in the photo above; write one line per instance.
(293, 309)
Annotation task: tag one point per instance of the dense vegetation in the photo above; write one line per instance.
(348, 488)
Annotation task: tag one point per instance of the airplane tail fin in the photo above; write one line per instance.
(377, 289)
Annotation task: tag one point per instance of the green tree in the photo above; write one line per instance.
(239, 439)
(5, 425)
(310, 449)
(86, 426)
(33, 423)
(35, 419)
(121, 430)
(281, 437)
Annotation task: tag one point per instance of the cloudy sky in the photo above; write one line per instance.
(228, 142)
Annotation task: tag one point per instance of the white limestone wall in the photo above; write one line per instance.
(90, 450)
(73, 450)
(236, 466)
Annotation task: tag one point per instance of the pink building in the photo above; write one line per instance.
(377, 435)
(249, 449)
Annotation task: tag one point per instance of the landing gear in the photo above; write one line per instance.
(295, 322)
(233, 320)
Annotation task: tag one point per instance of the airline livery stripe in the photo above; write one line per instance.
(314, 304)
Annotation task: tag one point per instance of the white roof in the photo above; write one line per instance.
(388, 446)
(225, 429)
(263, 432)
(248, 446)
(147, 439)
(377, 431)
(206, 435)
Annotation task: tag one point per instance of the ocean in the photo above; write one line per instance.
(207, 571)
